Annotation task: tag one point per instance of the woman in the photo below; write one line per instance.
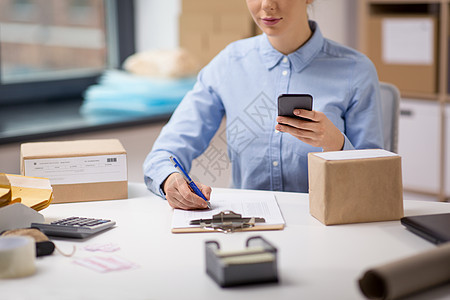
(243, 83)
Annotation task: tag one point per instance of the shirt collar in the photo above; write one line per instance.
(300, 58)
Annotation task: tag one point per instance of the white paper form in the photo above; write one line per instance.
(76, 170)
(408, 41)
(247, 204)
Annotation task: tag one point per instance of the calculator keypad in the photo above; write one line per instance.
(78, 221)
(78, 227)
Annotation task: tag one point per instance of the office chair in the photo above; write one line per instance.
(390, 109)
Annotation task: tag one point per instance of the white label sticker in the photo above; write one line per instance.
(355, 154)
(408, 41)
(75, 170)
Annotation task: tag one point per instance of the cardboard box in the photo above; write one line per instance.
(81, 170)
(195, 43)
(208, 26)
(195, 22)
(204, 36)
(414, 77)
(236, 23)
(213, 6)
(355, 186)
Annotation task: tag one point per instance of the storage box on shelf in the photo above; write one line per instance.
(208, 26)
(413, 73)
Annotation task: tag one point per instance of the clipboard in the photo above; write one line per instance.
(254, 228)
(232, 211)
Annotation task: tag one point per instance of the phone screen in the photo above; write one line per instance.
(288, 102)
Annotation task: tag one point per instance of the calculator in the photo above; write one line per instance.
(74, 227)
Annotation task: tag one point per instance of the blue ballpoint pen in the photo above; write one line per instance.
(188, 179)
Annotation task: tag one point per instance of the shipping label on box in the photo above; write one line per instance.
(355, 186)
(82, 170)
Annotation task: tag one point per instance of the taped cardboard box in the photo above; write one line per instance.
(83, 170)
(355, 186)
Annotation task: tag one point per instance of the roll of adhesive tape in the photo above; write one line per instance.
(17, 255)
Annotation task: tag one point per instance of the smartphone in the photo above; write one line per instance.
(288, 102)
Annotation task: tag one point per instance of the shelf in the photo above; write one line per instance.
(423, 96)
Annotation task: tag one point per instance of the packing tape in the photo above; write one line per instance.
(17, 256)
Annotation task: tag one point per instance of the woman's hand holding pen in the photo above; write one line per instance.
(317, 131)
(179, 194)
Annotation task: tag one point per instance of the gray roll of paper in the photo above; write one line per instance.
(409, 275)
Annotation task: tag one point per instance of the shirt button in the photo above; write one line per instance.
(285, 59)
(275, 163)
(284, 73)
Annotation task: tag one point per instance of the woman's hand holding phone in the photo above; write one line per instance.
(309, 126)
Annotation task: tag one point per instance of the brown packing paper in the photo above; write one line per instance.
(353, 190)
(409, 275)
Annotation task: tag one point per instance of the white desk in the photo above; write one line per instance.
(314, 261)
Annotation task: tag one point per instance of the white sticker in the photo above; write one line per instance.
(76, 170)
(355, 154)
(408, 41)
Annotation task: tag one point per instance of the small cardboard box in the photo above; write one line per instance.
(83, 170)
(355, 186)
(413, 77)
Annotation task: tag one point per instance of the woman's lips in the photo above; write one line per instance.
(270, 21)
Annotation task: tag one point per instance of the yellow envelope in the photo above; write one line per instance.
(5, 191)
(34, 192)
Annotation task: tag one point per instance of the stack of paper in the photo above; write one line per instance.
(33, 192)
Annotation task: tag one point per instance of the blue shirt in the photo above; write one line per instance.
(243, 83)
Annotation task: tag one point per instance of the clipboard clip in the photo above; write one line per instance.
(227, 221)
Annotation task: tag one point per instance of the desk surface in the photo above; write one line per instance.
(314, 261)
